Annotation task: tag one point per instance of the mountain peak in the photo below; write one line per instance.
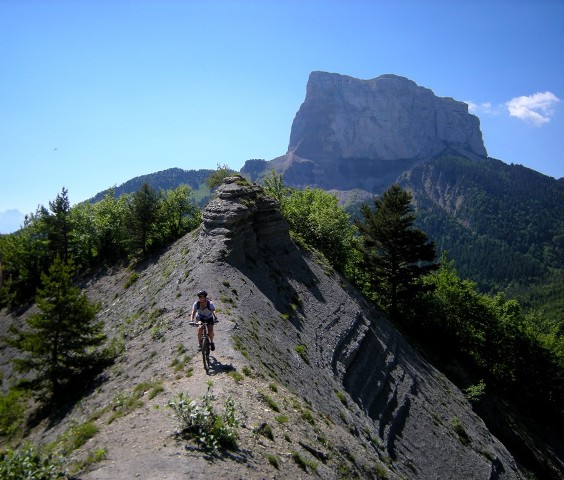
(385, 118)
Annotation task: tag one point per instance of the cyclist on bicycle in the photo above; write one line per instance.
(204, 311)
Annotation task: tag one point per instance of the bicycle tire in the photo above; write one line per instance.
(206, 354)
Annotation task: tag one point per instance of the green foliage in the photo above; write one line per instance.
(178, 213)
(274, 186)
(200, 422)
(460, 431)
(131, 280)
(502, 224)
(265, 430)
(60, 343)
(301, 350)
(303, 463)
(92, 234)
(57, 225)
(216, 178)
(342, 397)
(142, 218)
(12, 409)
(317, 218)
(475, 392)
(515, 351)
(273, 460)
(30, 464)
(396, 253)
(76, 436)
(270, 402)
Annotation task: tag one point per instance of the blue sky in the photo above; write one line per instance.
(93, 93)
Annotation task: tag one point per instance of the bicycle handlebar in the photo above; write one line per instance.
(195, 324)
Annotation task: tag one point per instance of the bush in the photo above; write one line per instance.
(12, 408)
(200, 422)
(30, 464)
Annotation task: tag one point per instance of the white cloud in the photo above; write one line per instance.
(536, 109)
(485, 107)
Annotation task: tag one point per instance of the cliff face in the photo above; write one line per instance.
(387, 118)
(352, 133)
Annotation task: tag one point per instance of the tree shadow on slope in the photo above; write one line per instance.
(55, 409)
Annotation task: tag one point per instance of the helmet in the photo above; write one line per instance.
(202, 292)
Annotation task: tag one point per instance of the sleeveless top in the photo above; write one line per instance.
(204, 313)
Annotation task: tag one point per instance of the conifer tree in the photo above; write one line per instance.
(57, 223)
(396, 253)
(60, 343)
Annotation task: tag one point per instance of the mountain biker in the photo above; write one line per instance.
(204, 311)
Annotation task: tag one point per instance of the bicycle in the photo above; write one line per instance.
(205, 346)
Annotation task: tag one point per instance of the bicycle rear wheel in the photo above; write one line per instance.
(206, 354)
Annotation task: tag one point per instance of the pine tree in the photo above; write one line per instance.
(60, 343)
(395, 253)
(57, 224)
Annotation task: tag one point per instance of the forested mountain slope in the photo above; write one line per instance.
(502, 224)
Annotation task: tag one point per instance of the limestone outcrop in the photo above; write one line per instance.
(351, 133)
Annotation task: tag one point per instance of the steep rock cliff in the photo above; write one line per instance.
(351, 133)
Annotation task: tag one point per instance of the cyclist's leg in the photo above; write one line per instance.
(200, 333)
(210, 331)
(210, 334)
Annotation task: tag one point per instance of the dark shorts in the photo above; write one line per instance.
(209, 321)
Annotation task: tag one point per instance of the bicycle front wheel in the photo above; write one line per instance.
(206, 354)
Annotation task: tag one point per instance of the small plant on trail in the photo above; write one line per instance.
(12, 409)
(131, 280)
(200, 422)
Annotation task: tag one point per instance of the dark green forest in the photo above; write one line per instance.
(502, 224)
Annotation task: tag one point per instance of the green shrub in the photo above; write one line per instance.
(308, 416)
(12, 408)
(475, 392)
(301, 350)
(270, 402)
(342, 397)
(273, 460)
(282, 418)
(265, 430)
(30, 463)
(302, 462)
(131, 280)
(200, 422)
(238, 377)
(460, 431)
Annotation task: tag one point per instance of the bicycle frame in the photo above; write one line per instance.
(205, 345)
